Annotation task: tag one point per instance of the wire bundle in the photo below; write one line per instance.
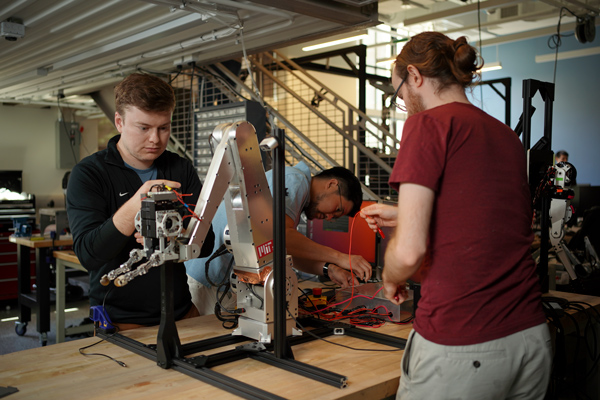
(569, 375)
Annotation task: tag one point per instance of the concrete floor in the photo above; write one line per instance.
(9, 313)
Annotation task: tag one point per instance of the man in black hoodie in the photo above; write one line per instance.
(104, 195)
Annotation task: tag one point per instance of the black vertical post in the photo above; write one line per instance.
(546, 89)
(167, 341)
(548, 96)
(42, 280)
(24, 281)
(279, 303)
(507, 99)
(362, 106)
(527, 113)
(542, 266)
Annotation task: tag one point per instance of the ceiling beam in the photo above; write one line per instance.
(333, 12)
(142, 37)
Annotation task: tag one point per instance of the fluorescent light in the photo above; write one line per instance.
(127, 42)
(31, 21)
(491, 67)
(74, 20)
(564, 55)
(24, 77)
(335, 42)
(386, 62)
(9, 319)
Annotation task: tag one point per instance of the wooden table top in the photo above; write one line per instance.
(66, 255)
(39, 241)
(58, 371)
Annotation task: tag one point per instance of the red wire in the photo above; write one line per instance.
(349, 299)
(180, 198)
(350, 261)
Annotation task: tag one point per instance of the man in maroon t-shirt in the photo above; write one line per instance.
(464, 206)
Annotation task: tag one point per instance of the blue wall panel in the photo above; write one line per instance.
(576, 108)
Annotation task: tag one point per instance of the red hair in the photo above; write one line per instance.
(435, 55)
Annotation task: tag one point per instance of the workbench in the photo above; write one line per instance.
(40, 299)
(60, 372)
(64, 259)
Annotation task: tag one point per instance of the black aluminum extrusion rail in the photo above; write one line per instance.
(191, 369)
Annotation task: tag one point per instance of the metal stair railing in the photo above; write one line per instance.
(314, 110)
(291, 81)
(177, 147)
(300, 146)
(334, 98)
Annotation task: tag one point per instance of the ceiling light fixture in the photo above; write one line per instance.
(565, 55)
(494, 66)
(335, 42)
(385, 62)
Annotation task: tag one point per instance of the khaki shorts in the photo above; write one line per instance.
(516, 366)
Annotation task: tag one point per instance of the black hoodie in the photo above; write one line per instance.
(98, 186)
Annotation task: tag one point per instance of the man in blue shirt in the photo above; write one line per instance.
(330, 194)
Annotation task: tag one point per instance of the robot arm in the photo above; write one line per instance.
(236, 174)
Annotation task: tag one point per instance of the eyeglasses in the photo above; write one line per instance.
(400, 106)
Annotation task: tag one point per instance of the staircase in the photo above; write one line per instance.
(322, 128)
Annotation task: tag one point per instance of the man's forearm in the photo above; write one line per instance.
(300, 246)
(405, 252)
(401, 263)
(124, 218)
(309, 266)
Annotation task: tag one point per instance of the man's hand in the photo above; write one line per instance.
(407, 247)
(378, 215)
(124, 218)
(341, 277)
(393, 288)
(360, 267)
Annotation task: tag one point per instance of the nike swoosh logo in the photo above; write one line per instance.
(122, 194)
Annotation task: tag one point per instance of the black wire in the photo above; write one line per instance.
(303, 329)
(66, 129)
(191, 109)
(559, 359)
(251, 287)
(555, 41)
(222, 250)
(179, 70)
(224, 82)
(232, 320)
(590, 307)
(305, 293)
(577, 377)
(576, 383)
(228, 322)
(121, 363)
(592, 352)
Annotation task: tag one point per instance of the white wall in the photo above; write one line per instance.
(27, 143)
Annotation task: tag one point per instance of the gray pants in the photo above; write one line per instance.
(513, 367)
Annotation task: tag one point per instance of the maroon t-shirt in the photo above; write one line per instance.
(480, 281)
